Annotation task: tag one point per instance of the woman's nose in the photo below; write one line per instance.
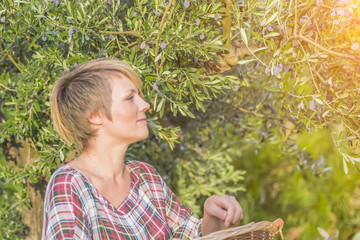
(144, 106)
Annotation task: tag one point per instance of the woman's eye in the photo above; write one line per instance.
(131, 97)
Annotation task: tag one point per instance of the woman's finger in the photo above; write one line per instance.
(225, 208)
(238, 213)
(214, 207)
(231, 210)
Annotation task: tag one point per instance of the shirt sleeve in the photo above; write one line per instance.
(64, 216)
(180, 218)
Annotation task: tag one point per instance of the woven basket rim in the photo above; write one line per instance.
(271, 227)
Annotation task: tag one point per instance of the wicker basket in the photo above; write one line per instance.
(253, 231)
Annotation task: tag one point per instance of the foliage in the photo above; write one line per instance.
(41, 39)
(311, 48)
(233, 86)
(210, 170)
(304, 183)
(10, 218)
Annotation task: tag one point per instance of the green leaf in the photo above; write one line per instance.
(277, 52)
(161, 103)
(313, 114)
(62, 157)
(356, 236)
(246, 61)
(243, 36)
(318, 101)
(309, 4)
(345, 167)
(34, 41)
(272, 89)
(260, 49)
(272, 34)
(271, 18)
(326, 113)
(159, 57)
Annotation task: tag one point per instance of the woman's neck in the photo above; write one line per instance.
(108, 161)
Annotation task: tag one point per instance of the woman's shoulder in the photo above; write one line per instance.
(144, 171)
(66, 187)
(65, 177)
(147, 178)
(141, 167)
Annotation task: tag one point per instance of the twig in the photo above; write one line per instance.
(162, 62)
(160, 30)
(131, 44)
(308, 20)
(349, 128)
(172, 11)
(132, 33)
(256, 57)
(9, 89)
(306, 39)
(281, 25)
(311, 73)
(318, 74)
(338, 111)
(54, 23)
(118, 44)
(4, 7)
(349, 90)
(47, 80)
(335, 8)
(181, 18)
(227, 23)
(296, 19)
(297, 96)
(253, 113)
(257, 114)
(13, 61)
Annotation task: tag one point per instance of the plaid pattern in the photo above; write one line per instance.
(74, 209)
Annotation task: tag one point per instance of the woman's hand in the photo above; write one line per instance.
(220, 210)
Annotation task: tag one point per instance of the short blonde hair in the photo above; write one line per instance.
(85, 90)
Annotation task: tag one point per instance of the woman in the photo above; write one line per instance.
(99, 195)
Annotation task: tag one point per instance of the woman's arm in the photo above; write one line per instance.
(220, 210)
(64, 216)
(180, 219)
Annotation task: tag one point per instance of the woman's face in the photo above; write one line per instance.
(128, 124)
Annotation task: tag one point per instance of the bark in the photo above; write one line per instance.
(21, 152)
(225, 61)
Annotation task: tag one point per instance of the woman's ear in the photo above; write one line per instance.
(96, 118)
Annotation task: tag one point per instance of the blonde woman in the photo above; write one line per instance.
(99, 195)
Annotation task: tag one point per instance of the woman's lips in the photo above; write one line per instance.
(143, 120)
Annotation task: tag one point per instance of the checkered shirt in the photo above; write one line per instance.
(74, 209)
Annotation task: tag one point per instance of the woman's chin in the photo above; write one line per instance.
(143, 136)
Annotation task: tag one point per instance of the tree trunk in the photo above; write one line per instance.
(32, 217)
